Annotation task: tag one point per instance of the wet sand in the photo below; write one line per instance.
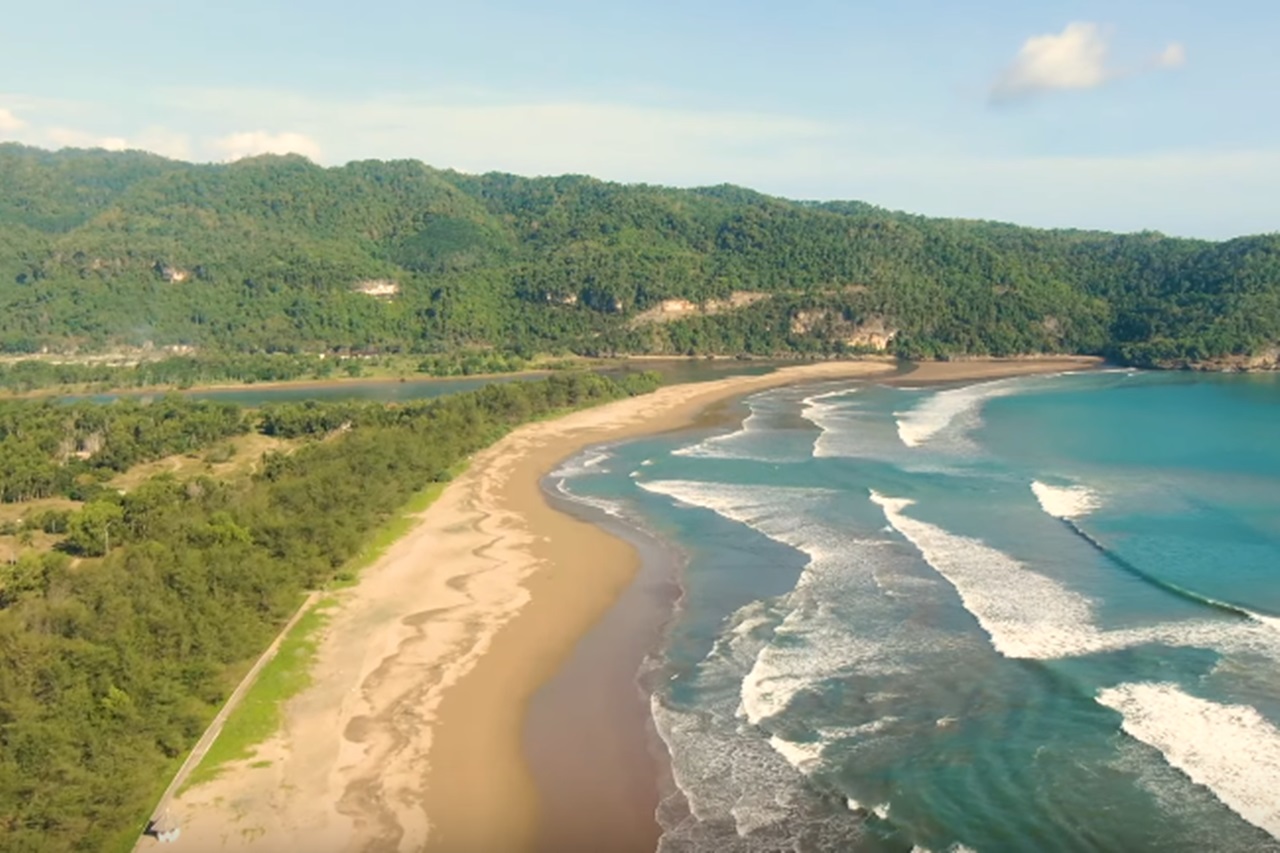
(598, 763)
(412, 732)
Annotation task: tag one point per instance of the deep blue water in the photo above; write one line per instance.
(1031, 614)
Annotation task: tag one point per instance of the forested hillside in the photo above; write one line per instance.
(102, 250)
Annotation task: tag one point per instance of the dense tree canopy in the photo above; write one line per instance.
(269, 254)
(51, 449)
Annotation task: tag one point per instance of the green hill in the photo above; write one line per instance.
(101, 250)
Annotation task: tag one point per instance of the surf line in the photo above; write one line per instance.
(1161, 583)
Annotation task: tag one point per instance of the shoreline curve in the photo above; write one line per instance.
(409, 736)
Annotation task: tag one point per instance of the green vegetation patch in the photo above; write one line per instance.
(392, 532)
(259, 715)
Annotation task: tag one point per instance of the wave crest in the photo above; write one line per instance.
(1230, 749)
(1066, 502)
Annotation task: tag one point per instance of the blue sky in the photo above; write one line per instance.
(1125, 115)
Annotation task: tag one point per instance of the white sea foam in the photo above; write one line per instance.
(801, 756)
(744, 442)
(587, 462)
(1230, 749)
(836, 421)
(1028, 615)
(608, 507)
(881, 811)
(771, 652)
(721, 446)
(960, 406)
(816, 405)
(1066, 502)
(778, 512)
(837, 564)
(727, 773)
(816, 649)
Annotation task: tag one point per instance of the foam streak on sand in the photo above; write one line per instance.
(1230, 749)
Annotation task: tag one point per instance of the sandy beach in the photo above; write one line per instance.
(410, 736)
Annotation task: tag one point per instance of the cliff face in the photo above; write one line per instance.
(677, 309)
(1261, 362)
(873, 333)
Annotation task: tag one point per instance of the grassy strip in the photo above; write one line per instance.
(392, 531)
(260, 713)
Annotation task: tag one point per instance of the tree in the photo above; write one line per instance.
(90, 530)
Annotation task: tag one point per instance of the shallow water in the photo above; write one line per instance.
(1037, 613)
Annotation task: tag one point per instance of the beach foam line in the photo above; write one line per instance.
(774, 511)
(826, 416)
(586, 462)
(815, 400)
(1232, 750)
(817, 647)
(722, 446)
(608, 507)
(937, 412)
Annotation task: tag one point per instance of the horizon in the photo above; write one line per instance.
(1123, 117)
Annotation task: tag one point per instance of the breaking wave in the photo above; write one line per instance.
(1230, 749)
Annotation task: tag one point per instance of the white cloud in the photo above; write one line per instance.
(1076, 58)
(65, 137)
(619, 141)
(10, 122)
(237, 146)
(165, 142)
(1173, 56)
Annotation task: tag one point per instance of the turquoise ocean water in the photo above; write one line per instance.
(1029, 614)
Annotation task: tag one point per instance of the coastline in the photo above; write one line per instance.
(411, 732)
(600, 766)
(644, 362)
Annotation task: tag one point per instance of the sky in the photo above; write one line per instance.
(1126, 115)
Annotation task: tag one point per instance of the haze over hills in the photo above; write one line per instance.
(101, 250)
